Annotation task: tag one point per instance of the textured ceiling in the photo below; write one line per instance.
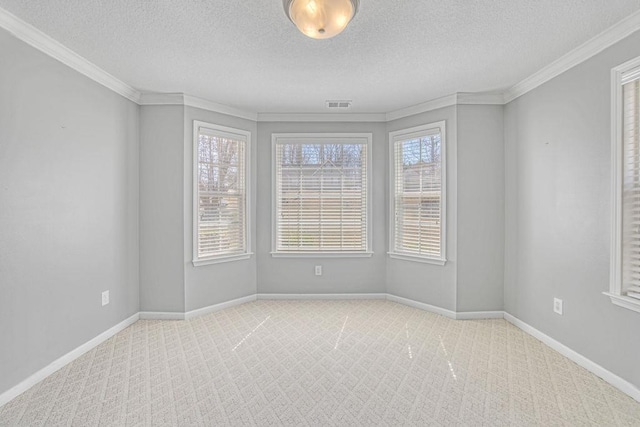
(394, 54)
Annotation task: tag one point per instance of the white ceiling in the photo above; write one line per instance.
(394, 54)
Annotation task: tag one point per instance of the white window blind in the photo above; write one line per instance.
(321, 194)
(624, 288)
(220, 192)
(631, 186)
(418, 187)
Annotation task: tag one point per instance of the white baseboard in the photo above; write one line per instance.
(422, 306)
(216, 307)
(619, 383)
(382, 296)
(478, 315)
(161, 315)
(321, 296)
(66, 359)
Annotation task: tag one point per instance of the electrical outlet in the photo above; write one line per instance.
(318, 270)
(557, 305)
(105, 298)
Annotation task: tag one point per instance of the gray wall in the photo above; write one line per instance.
(211, 284)
(168, 280)
(558, 198)
(340, 275)
(480, 208)
(429, 283)
(85, 175)
(68, 209)
(161, 208)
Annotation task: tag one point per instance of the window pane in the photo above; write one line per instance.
(631, 189)
(321, 197)
(221, 196)
(418, 195)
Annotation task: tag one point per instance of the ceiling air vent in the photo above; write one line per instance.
(338, 105)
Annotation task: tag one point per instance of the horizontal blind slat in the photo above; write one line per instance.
(321, 196)
(221, 193)
(631, 184)
(418, 187)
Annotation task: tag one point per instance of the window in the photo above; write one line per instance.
(321, 194)
(417, 216)
(220, 185)
(625, 247)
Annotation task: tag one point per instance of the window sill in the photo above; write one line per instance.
(624, 301)
(220, 259)
(414, 258)
(321, 254)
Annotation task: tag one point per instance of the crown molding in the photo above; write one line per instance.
(193, 101)
(152, 98)
(321, 117)
(480, 98)
(466, 98)
(460, 98)
(39, 40)
(434, 104)
(592, 47)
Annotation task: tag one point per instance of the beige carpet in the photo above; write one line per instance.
(322, 363)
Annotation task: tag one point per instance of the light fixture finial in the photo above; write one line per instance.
(321, 19)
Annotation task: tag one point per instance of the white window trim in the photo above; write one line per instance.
(393, 136)
(220, 259)
(416, 258)
(311, 138)
(283, 254)
(216, 259)
(627, 70)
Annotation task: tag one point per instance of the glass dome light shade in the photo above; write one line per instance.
(321, 19)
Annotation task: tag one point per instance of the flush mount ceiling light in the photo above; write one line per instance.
(321, 19)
